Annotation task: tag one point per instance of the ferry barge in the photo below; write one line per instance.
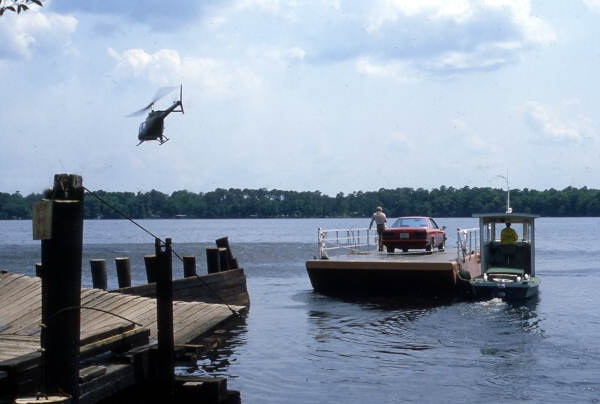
(348, 263)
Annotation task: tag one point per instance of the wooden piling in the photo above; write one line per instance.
(189, 266)
(224, 262)
(150, 263)
(123, 271)
(164, 313)
(223, 242)
(213, 260)
(99, 277)
(61, 286)
(38, 269)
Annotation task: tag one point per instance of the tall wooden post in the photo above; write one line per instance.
(224, 263)
(123, 271)
(213, 260)
(61, 283)
(189, 266)
(99, 276)
(164, 314)
(150, 264)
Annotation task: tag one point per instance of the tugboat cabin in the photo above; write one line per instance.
(502, 252)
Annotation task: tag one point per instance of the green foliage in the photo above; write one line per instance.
(17, 6)
(245, 203)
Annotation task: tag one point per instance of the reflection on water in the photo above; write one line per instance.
(220, 347)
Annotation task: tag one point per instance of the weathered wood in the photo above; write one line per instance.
(123, 271)
(116, 378)
(107, 331)
(38, 269)
(211, 389)
(213, 260)
(224, 262)
(189, 266)
(150, 264)
(101, 331)
(91, 372)
(100, 307)
(164, 309)
(99, 276)
(61, 286)
(223, 242)
(227, 287)
(117, 343)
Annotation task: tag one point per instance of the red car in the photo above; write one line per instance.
(414, 232)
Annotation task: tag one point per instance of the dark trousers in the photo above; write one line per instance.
(380, 229)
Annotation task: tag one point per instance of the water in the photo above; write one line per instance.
(298, 346)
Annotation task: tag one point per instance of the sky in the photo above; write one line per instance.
(332, 96)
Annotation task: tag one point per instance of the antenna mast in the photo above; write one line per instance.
(508, 208)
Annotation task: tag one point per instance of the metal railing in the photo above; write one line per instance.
(345, 241)
(363, 240)
(467, 242)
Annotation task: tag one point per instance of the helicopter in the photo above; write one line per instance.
(153, 127)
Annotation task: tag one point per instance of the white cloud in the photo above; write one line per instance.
(219, 78)
(319, 86)
(158, 14)
(594, 5)
(165, 67)
(277, 56)
(390, 11)
(396, 71)
(162, 67)
(22, 35)
(550, 125)
(295, 53)
(455, 36)
(462, 132)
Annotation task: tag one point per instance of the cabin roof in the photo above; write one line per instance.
(507, 216)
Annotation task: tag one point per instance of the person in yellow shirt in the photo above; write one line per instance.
(508, 235)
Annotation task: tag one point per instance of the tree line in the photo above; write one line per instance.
(263, 203)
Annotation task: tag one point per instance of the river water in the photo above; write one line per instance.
(298, 346)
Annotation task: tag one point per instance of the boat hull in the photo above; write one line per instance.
(433, 274)
(484, 290)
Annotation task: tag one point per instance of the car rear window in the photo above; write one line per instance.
(410, 222)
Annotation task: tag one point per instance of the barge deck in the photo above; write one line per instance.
(359, 269)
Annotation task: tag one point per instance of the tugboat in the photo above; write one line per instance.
(507, 243)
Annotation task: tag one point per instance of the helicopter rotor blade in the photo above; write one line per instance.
(160, 93)
(141, 111)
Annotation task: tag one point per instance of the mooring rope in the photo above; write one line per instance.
(125, 216)
(69, 308)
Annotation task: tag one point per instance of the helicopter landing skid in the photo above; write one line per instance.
(160, 141)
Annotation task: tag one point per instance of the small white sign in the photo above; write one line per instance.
(42, 220)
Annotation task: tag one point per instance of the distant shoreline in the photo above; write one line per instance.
(263, 203)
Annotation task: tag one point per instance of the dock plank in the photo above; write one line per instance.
(20, 315)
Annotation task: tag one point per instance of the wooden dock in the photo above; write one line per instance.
(227, 286)
(110, 322)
